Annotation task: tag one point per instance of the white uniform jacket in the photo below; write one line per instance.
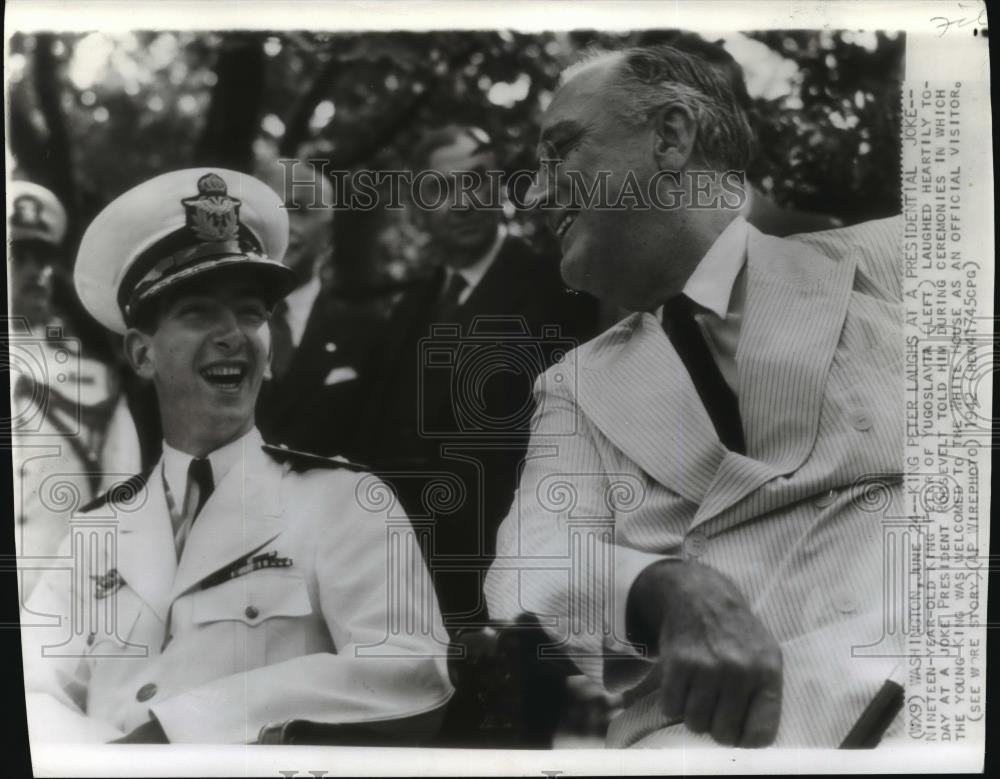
(625, 469)
(72, 438)
(295, 597)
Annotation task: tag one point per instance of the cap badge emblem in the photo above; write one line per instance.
(213, 215)
(27, 212)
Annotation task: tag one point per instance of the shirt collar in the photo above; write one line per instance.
(176, 462)
(711, 284)
(474, 273)
(300, 302)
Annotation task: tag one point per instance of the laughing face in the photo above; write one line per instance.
(618, 253)
(206, 355)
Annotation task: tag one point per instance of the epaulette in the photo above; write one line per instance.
(304, 461)
(120, 491)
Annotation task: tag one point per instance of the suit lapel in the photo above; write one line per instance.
(794, 313)
(641, 397)
(307, 361)
(407, 324)
(396, 371)
(494, 301)
(243, 514)
(146, 556)
(302, 357)
(499, 291)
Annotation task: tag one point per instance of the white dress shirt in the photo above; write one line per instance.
(474, 273)
(718, 286)
(300, 305)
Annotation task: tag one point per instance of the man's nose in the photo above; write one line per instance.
(535, 192)
(227, 332)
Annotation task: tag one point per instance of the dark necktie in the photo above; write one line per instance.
(200, 473)
(281, 340)
(448, 302)
(719, 400)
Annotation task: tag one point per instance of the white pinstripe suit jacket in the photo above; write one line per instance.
(626, 468)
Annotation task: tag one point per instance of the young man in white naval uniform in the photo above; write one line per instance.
(234, 586)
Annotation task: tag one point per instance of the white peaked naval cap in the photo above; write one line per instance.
(34, 213)
(178, 227)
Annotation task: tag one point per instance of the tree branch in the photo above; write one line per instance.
(233, 116)
(58, 158)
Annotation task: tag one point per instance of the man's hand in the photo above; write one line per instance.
(721, 668)
(147, 733)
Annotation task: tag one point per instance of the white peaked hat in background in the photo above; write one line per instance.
(34, 213)
(177, 227)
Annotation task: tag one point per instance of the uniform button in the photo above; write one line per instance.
(251, 612)
(330, 346)
(696, 544)
(90, 639)
(845, 603)
(861, 420)
(825, 499)
(146, 692)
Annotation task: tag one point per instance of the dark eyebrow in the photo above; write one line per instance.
(563, 131)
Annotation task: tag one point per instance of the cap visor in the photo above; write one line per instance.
(273, 279)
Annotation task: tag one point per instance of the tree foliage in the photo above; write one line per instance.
(91, 115)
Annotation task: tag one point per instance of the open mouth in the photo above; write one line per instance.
(225, 376)
(566, 222)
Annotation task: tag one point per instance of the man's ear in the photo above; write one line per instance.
(138, 347)
(675, 131)
(267, 366)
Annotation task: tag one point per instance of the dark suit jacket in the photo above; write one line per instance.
(448, 411)
(314, 406)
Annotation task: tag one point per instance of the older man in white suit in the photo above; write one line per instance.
(688, 524)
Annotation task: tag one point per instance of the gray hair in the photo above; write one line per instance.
(657, 76)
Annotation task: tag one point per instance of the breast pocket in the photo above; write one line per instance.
(114, 618)
(259, 611)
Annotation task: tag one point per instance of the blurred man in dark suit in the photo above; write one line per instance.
(311, 398)
(448, 412)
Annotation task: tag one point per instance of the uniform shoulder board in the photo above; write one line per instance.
(120, 492)
(304, 461)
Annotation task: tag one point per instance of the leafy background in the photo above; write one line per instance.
(91, 114)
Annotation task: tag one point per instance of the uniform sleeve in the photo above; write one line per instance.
(391, 663)
(556, 551)
(55, 673)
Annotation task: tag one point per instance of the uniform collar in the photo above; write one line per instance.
(176, 462)
(711, 284)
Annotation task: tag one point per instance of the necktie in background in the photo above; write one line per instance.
(447, 304)
(281, 340)
(719, 400)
